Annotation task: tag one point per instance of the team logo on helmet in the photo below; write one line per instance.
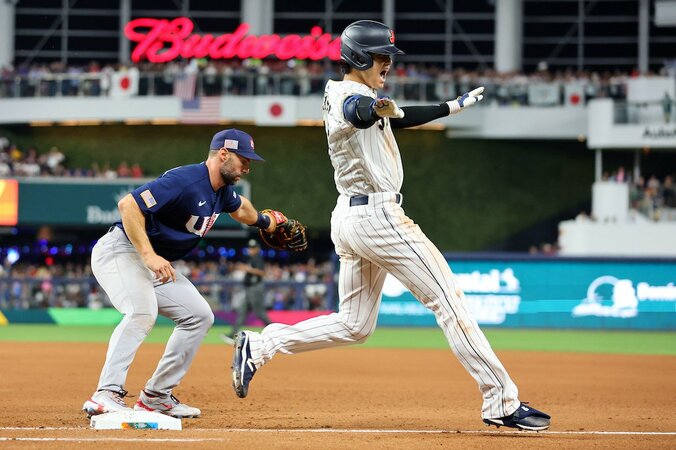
(391, 37)
(252, 146)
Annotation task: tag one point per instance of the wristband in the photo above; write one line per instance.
(263, 221)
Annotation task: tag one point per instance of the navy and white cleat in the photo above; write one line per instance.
(524, 418)
(243, 368)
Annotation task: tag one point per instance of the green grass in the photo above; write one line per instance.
(628, 342)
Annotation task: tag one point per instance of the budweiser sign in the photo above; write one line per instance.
(161, 40)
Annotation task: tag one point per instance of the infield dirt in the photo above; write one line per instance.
(296, 401)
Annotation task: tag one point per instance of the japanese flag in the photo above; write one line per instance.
(574, 93)
(279, 110)
(124, 83)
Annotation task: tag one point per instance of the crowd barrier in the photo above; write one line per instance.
(501, 291)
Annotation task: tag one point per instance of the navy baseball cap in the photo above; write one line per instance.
(236, 141)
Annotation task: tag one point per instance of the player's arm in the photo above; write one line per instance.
(134, 223)
(419, 115)
(250, 269)
(363, 111)
(276, 230)
(248, 215)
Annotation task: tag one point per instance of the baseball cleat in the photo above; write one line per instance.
(524, 418)
(170, 405)
(105, 401)
(243, 368)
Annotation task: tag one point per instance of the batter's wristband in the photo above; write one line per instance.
(263, 221)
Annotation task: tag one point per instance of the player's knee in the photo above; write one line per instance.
(143, 322)
(359, 335)
(207, 319)
(202, 318)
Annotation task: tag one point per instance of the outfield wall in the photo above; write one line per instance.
(502, 291)
(555, 292)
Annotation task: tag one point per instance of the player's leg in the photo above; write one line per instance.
(128, 283)
(241, 311)
(359, 285)
(394, 242)
(255, 296)
(181, 302)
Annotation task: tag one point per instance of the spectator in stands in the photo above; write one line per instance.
(211, 81)
(107, 171)
(653, 184)
(54, 159)
(667, 104)
(123, 170)
(636, 191)
(668, 192)
(136, 171)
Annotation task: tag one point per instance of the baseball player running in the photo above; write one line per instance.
(373, 236)
(163, 221)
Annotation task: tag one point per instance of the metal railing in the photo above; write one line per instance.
(250, 83)
(37, 293)
(648, 113)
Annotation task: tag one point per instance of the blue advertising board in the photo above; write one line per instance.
(551, 293)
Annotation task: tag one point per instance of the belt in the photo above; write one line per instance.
(359, 200)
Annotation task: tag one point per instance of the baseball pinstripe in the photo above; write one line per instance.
(365, 161)
(371, 241)
(377, 238)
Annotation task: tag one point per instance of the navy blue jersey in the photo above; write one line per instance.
(180, 207)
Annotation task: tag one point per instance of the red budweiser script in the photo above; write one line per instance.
(161, 40)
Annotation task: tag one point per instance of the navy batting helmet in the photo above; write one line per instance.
(363, 38)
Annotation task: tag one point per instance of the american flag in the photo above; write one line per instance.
(184, 86)
(201, 110)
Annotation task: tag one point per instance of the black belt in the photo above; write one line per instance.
(359, 200)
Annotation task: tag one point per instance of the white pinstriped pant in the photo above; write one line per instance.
(372, 240)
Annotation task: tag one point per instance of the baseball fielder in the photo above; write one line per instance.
(373, 236)
(162, 221)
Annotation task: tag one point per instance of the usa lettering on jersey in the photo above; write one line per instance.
(207, 223)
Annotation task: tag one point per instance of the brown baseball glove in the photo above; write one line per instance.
(289, 234)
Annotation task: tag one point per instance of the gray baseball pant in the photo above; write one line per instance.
(131, 287)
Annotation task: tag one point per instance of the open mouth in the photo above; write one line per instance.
(383, 74)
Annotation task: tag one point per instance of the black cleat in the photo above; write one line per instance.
(524, 418)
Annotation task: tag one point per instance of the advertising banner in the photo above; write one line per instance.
(9, 202)
(78, 202)
(557, 293)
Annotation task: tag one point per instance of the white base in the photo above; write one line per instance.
(144, 420)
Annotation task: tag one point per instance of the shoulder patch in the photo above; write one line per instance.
(148, 198)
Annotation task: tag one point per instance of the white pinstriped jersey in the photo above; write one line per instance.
(364, 161)
(376, 238)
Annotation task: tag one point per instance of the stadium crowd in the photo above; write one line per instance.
(15, 162)
(654, 198)
(295, 77)
(28, 285)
